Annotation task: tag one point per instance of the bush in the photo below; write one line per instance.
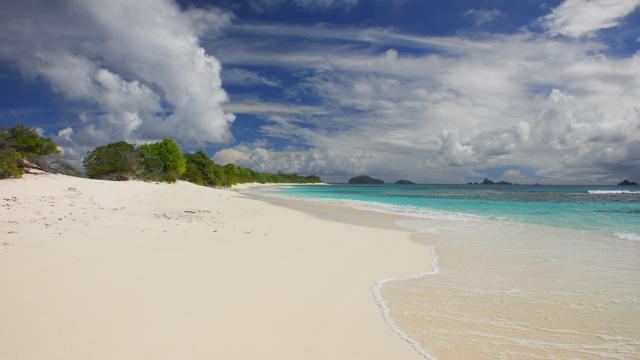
(9, 159)
(202, 170)
(20, 143)
(115, 161)
(161, 161)
(29, 143)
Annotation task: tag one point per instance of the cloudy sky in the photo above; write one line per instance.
(434, 91)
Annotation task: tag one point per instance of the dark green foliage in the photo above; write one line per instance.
(29, 143)
(18, 144)
(161, 161)
(116, 161)
(405, 182)
(204, 171)
(364, 179)
(9, 157)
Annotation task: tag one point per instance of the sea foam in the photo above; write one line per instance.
(612, 192)
(627, 236)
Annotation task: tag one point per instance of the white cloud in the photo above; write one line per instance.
(268, 5)
(378, 36)
(139, 62)
(512, 173)
(577, 18)
(561, 108)
(483, 16)
(230, 156)
(237, 76)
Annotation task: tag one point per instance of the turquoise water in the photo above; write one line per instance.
(612, 209)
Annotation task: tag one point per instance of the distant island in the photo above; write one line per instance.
(490, 182)
(365, 179)
(627, 183)
(404, 182)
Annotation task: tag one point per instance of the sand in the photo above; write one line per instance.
(132, 270)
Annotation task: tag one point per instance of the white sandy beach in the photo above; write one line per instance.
(133, 270)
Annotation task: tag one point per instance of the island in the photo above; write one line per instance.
(490, 182)
(628, 183)
(404, 182)
(365, 179)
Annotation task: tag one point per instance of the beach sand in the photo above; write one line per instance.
(132, 270)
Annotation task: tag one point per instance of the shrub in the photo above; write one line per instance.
(20, 143)
(202, 170)
(9, 159)
(161, 161)
(29, 143)
(115, 161)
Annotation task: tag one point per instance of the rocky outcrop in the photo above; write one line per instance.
(627, 183)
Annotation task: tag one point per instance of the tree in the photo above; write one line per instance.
(9, 157)
(29, 143)
(18, 144)
(115, 161)
(161, 161)
(202, 170)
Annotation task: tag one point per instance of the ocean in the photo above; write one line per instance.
(517, 272)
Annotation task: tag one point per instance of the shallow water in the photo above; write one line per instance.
(524, 272)
(611, 209)
(519, 291)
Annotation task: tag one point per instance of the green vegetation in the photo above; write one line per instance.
(159, 161)
(204, 171)
(29, 143)
(21, 144)
(116, 161)
(163, 161)
(364, 179)
(9, 160)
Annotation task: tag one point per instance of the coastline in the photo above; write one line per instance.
(129, 270)
(507, 289)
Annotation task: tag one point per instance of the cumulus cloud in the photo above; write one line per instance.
(577, 18)
(137, 65)
(563, 108)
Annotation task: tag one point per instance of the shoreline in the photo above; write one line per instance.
(169, 271)
(341, 212)
(500, 277)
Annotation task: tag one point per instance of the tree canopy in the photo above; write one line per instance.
(163, 161)
(18, 144)
(115, 161)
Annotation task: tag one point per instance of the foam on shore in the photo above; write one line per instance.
(507, 289)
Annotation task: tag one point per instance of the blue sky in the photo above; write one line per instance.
(435, 91)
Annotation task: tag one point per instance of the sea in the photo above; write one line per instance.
(516, 271)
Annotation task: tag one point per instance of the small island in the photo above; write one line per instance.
(365, 179)
(627, 183)
(404, 182)
(490, 182)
